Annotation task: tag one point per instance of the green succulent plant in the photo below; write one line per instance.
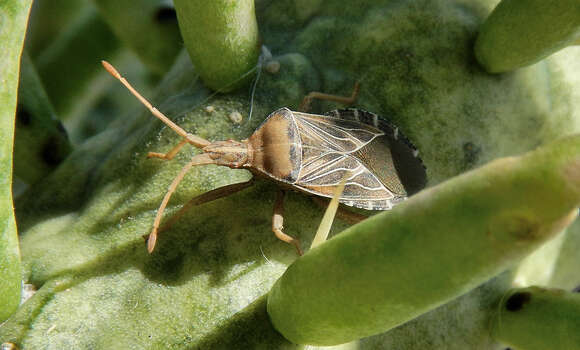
(435, 272)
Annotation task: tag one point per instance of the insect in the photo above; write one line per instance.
(306, 152)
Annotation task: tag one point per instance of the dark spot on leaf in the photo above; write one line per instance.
(23, 117)
(471, 62)
(577, 289)
(471, 154)
(61, 128)
(52, 154)
(165, 14)
(166, 267)
(517, 301)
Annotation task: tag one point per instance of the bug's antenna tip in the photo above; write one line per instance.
(151, 243)
(109, 67)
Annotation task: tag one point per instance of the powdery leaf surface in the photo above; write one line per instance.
(82, 227)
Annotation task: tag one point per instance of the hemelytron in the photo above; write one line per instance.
(309, 153)
(384, 166)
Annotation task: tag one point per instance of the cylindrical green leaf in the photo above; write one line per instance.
(68, 67)
(221, 37)
(14, 18)
(521, 32)
(48, 19)
(434, 247)
(41, 142)
(538, 319)
(153, 35)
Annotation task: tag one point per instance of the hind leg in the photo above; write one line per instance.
(207, 197)
(278, 223)
(342, 212)
(347, 100)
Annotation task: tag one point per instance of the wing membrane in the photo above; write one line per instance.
(362, 188)
(328, 147)
(334, 133)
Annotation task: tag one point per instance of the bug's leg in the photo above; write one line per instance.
(349, 216)
(278, 222)
(169, 155)
(200, 159)
(212, 195)
(343, 213)
(347, 100)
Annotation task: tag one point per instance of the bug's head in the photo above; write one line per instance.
(230, 153)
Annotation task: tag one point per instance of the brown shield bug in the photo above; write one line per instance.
(306, 152)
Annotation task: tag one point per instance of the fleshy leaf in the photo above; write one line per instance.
(221, 37)
(83, 225)
(522, 32)
(153, 35)
(480, 219)
(70, 65)
(41, 142)
(537, 318)
(14, 18)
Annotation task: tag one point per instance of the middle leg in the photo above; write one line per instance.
(278, 223)
(200, 159)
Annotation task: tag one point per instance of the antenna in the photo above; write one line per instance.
(193, 139)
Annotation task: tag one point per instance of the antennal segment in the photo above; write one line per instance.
(193, 139)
